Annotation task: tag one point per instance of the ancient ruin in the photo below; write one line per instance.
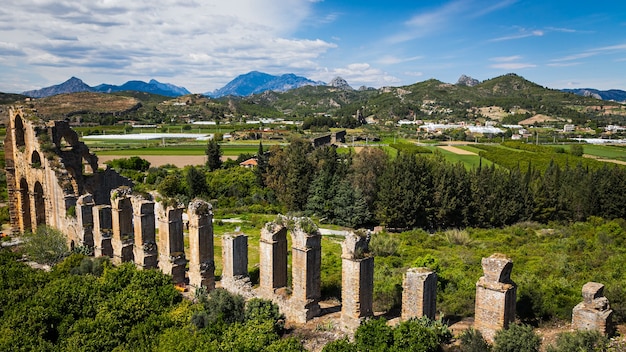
(495, 296)
(419, 294)
(594, 312)
(357, 280)
(171, 246)
(235, 277)
(201, 260)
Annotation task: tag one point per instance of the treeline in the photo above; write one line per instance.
(428, 192)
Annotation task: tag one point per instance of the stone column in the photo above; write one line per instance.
(145, 248)
(272, 258)
(103, 229)
(495, 296)
(171, 246)
(306, 266)
(419, 294)
(594, 312)
(84, 213)
(357, 281)
(122, 222)
(201, 250)
(235, 264)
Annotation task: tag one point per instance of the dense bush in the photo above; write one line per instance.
(591, 341)
(517, 338)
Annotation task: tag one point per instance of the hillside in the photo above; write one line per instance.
(86, 103)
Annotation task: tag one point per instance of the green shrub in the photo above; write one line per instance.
(341, 345)
(517, 338)
(258, 309)
(46, 246)
(473, 341)
(591, 341)
(222, 305)
(374, 335)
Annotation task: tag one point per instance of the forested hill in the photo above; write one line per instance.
(425, 100)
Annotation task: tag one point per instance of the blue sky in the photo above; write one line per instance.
(202, 45)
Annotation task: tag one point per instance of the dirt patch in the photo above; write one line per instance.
(456, 150)
(604, 160)
(160, 160)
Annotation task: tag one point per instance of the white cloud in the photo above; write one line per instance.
(523, 33)
(505, 58)
(512, 66)
(393, 60)
(358, 74)
(202, 44)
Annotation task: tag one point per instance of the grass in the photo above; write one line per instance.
(605, 151)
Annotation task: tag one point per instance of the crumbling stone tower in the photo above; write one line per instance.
(235, 276)
(103, 231)
(357, 281)
(306, 267)
(495, 296)
(201, 250)
(145, 247)
(273, 258)
(419, 294)
(122, 222)
(172, 259)
(48, 169)
(594, 312)
(84, 212)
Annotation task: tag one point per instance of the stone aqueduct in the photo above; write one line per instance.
(53, 179)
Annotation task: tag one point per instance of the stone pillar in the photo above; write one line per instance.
(306, 267)
(235, 264)
(171, 246)
(122, 222)
(594, 312)
(357, 281)
(84, 213)
(103, 229)
(145, 248)
(272, 258)
(419, 294)
(495, 296)
(201, 250)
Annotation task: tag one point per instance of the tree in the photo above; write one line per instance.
(46, 246)
(262, 161)
(213, 153)
(517, 338)
(196, 182)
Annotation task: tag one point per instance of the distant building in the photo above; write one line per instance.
(250, 163)
(569, 128)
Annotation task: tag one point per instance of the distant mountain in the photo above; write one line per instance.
(154, 87)
(72, 85)
(258, 82)
(611, 94)
(76, 85)
(340, 83)
(467, 81)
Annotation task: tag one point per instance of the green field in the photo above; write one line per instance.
(605, 151)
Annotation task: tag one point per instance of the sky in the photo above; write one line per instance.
(203, 44)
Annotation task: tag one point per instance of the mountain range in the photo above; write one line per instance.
(258, 82)
(76, 85)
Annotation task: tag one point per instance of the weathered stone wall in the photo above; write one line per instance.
(201, 248)
(235, 276)
(84, 212)
(48, 169)
(122, 240)
(594, 312)
(144, 247)
(419, 294)
(306, 267)
(172, 259)
(495, 296)
(103, 231)
(272, 258)
(357, 281)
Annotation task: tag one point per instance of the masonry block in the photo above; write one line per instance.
(419, 294)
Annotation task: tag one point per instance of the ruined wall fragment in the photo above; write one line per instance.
(495, 296)
(122, 240)
(594, 312)
(357, 281)
(272, 258)
(419, 294)
(103, 231)
(201, 248)
(144, 245)
(172, 258)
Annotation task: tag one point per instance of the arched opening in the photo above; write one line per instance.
(40, 205)
(35, 160)
(87, 169)
(24, 207)
(64, 145)
(19, 132)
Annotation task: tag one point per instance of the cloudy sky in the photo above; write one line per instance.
(203, 44)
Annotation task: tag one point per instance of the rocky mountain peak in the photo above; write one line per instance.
(467, 81)
(340, 83)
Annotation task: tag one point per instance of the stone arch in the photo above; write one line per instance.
(40, 204)
(35, 159)
(20, 141)
(24, 206)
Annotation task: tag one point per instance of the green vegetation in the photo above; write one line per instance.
(89, 305)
